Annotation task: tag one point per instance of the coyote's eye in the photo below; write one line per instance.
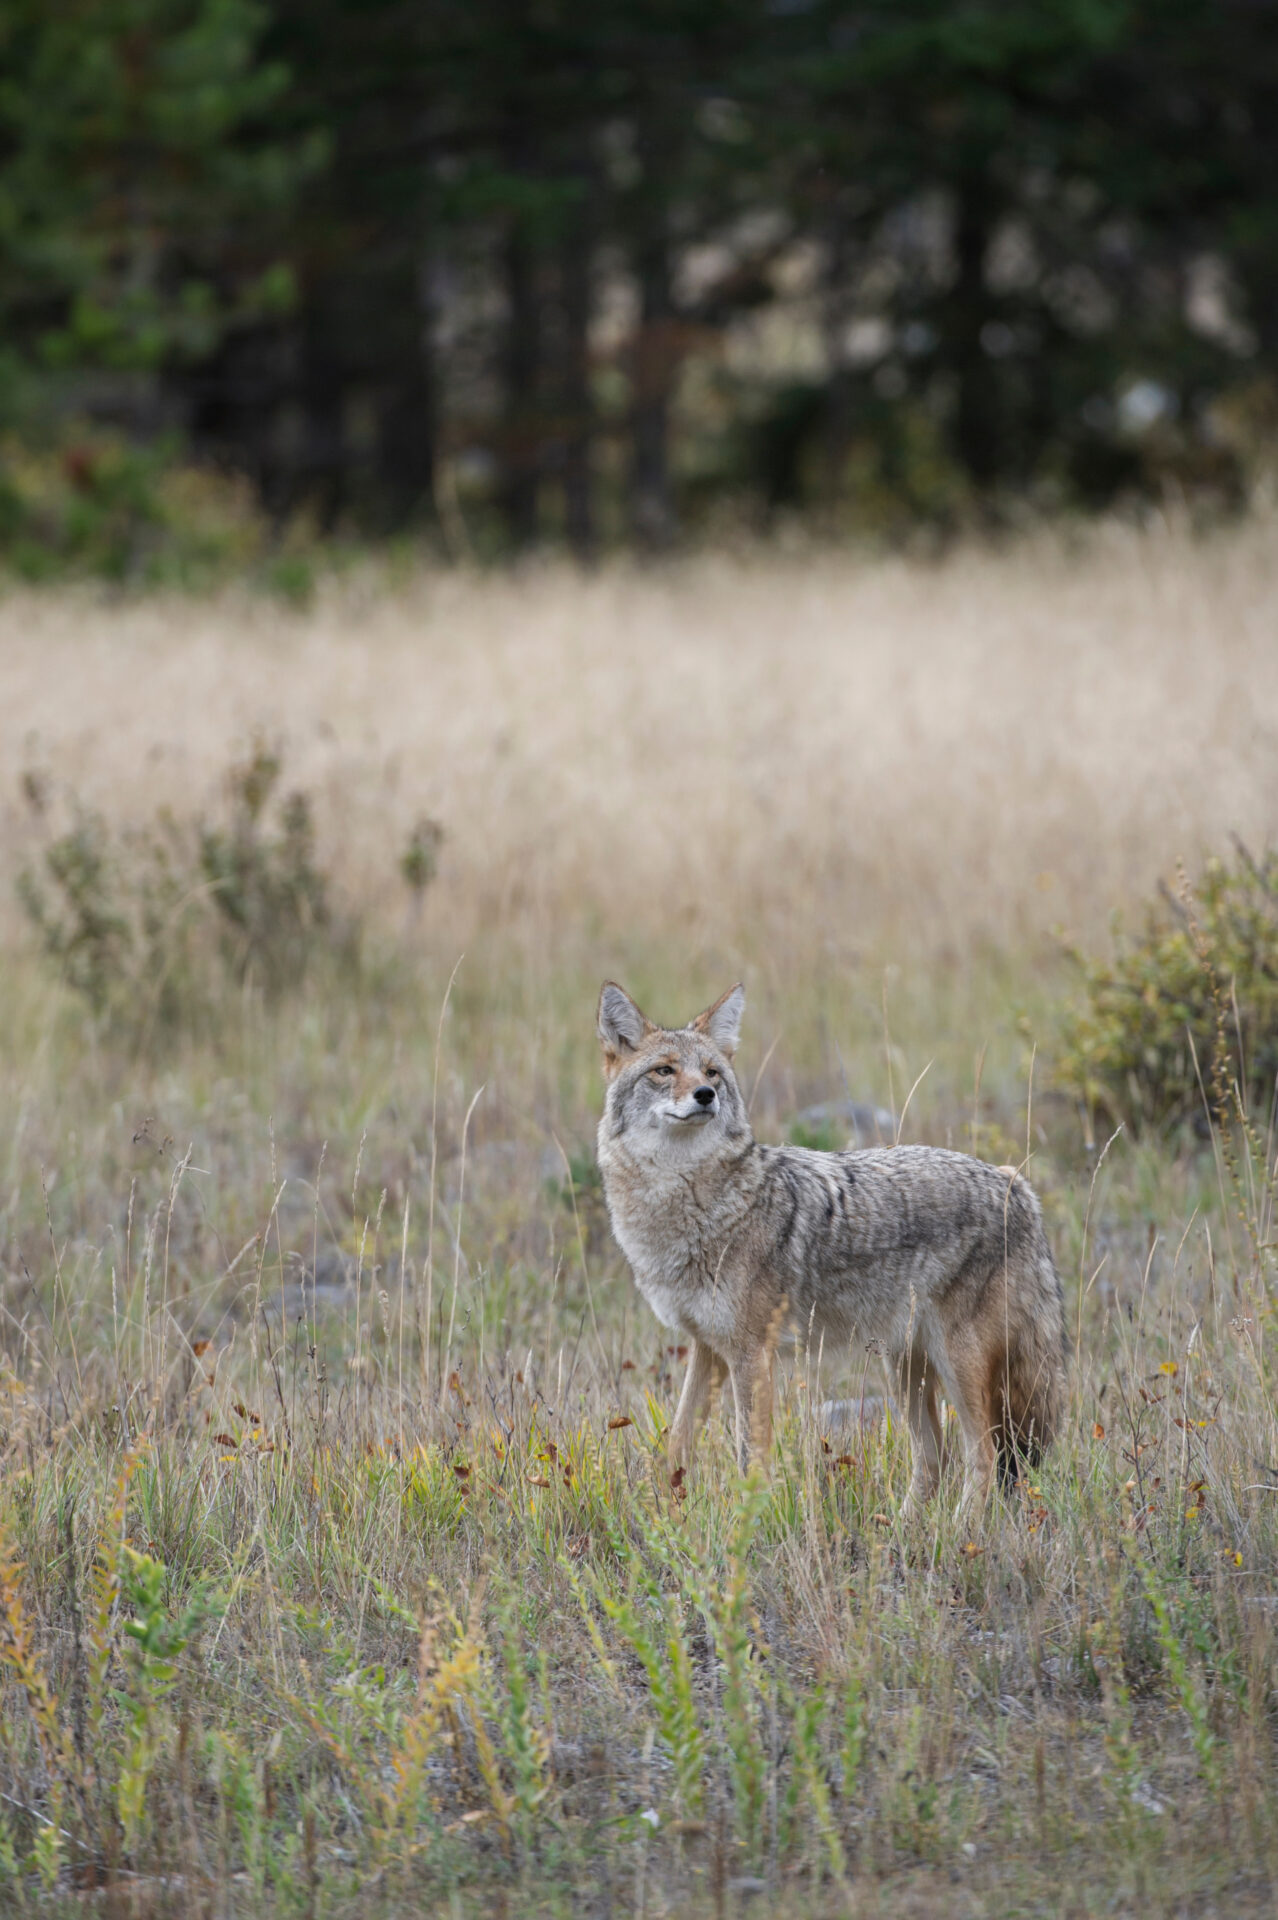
(711, 1073)
(665, 1069)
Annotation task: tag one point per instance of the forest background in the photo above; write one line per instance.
(518, 271)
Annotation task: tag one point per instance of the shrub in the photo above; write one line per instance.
(152, 923)
(420, 857)
(1182, 1020)
(270, 898)
(92, 505)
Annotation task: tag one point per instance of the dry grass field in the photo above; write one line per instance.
(340, 1570)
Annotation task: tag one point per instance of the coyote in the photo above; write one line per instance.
(934, 1260)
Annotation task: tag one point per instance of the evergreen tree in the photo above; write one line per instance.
(343, 242)
(140, 186)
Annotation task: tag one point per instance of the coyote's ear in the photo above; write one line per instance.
(621, 1025)
(722, 1022)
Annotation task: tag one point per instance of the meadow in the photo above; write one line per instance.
(340, 1570)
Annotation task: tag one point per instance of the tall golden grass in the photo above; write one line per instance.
(736, 752)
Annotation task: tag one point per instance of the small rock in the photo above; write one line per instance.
(861, 1415)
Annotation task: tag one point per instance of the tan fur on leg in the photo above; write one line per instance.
(753, 1386)
(705, 1372)
(917, 1384)
(970, 1371)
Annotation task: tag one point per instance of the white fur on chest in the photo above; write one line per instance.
(668, 1303)
(662, 1230)
(704, 1312)
(662, 1260)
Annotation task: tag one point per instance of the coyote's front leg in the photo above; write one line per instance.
(752, 1390)
(705, 1370)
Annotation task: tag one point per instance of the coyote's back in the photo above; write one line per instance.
(917, 1246)
(935, 1260)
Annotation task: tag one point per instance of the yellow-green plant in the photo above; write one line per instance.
(1186, 1011)
(852, 1747)
(650, 1622)
(53, 1729)
(731, 1617)
(92, 1780)
(527, 1744)
(650, 1619)
(155, 1638)
(1186, 1683)
(809, 1781)
(384, 1752)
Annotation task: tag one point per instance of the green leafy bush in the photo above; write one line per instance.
(270, 897)
(1182, 1020)
(151, 924)
(420, 857)
(92, 505)
(116, 916)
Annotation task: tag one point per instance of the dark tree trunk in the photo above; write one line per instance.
(978, 401)
(651, 502)
(521, 434)
(406, 438)
(321, 474)
(836, 314)
(579, 506)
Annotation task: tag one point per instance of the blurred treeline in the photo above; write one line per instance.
(528, 269)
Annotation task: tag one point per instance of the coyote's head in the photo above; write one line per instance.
(672, 1088)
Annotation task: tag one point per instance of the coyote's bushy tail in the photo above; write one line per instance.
(1029, 1393)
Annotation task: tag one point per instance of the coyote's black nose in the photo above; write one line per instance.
(704, 1096)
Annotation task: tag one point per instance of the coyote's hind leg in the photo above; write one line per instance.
(916, 1380)
(972, 1370)
(705, 1371)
